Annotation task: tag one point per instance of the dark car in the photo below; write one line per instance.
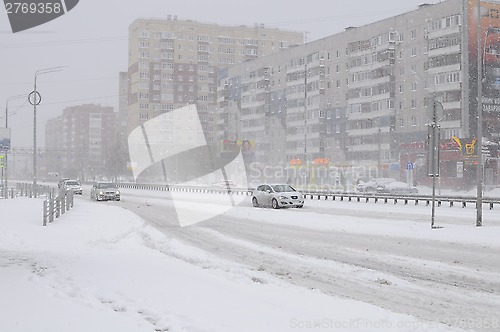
(105, 191)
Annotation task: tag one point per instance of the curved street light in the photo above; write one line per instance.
(36, 100)
(5, 167)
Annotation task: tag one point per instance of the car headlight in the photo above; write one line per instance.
(283, 197)
(118, 192)
(101, 193)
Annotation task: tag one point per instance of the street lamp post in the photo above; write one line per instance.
(35, 99)
(434, 155)
(479, 202)
(6, 178)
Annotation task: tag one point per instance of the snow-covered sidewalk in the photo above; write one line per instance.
(101, 268)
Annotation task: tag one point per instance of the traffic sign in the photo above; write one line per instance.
(34, 98)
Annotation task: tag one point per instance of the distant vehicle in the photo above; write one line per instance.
(74, 186)
(105, 191)
(61, 182)
(373, 184)
(277, 196)
(225, 184)
(397, 187)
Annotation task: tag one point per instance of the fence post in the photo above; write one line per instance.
(58, 206)
(45, 212)
(64, 203)
(51, 209)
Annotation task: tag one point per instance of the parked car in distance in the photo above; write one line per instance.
(225, 184)
(373, 184)
(105, 191)
(397, 187)
(74, 186)
(60, 183)
(277, 196)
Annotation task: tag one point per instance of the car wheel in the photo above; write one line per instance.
(275, 204)
(255, 203)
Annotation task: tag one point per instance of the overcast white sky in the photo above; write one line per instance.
(92, 40)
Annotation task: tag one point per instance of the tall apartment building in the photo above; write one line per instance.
(365, 96)
(122, 126)
(85, 140)
(175, 62)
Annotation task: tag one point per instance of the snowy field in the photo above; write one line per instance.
(101, 267)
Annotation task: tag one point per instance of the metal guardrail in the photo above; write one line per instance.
(406, 199)
(31, 191)
(56, 205)
(57, 202)
(416, 199)
(194, 189)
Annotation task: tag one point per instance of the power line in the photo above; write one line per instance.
(83, 99)
(73, 80)
(65, 42)
(333, 18)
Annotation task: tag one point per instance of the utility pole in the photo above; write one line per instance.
(6, 166)
(479, 147)
(433, 159)
(305, 110)
(35, 95)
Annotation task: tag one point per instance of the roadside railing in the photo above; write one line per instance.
(33, 191)
(416, 199)
(192, 189)
(57, 205)
(384, 198)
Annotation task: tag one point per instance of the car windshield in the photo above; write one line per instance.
(72, 183)
(280, 188)
(105, 185)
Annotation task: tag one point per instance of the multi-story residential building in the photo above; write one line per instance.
(84, 138)
(174, 62)
(122, 127)
(365, 97)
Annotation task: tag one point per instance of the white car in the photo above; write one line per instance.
(225, 184)
(397, 187)
(277, 196)
(74, 186)
(373, 184)
(105, 191)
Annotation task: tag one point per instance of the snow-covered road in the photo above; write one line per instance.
(385, 255)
